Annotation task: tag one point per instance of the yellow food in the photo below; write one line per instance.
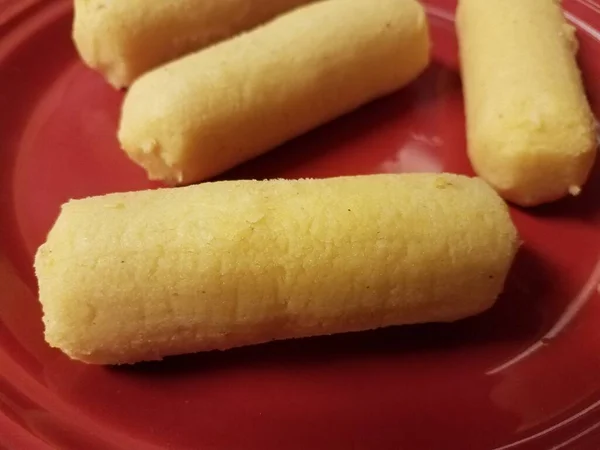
(205, 113)
(531, 133)
(122, 39)
(143, 275)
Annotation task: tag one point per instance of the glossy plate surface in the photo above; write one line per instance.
(525, 375)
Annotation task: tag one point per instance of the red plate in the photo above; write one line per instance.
(525, 375)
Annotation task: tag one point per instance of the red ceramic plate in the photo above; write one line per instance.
(525, 375)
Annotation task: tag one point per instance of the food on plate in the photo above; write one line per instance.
(139, 276)
(124, 39)
(209, 111)
(531, 132)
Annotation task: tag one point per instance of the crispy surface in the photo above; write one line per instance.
(123, 39)
(138, 276)
(203, 114)
(531, 132)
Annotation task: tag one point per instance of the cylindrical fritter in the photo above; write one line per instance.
(531, 133)
(123, 39)
(201, 115)
(142, 275)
